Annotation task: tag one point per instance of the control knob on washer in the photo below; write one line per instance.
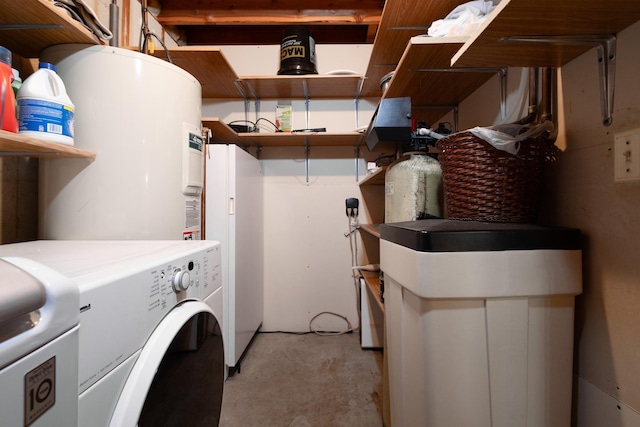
(181, 280)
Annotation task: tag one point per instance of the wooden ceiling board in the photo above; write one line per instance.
(219, 35)
(267, 17)
(189, 16)
(275, 7)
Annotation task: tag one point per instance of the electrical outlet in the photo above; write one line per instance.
(352, 207)
(626, 151)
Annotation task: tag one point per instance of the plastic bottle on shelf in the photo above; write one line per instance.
(8, 120)
(15, 84)
(17, 81)
(44, 108)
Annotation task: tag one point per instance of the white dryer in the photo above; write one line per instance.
(150, 344)
(38, 346)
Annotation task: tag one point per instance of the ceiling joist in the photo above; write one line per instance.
(349, 21)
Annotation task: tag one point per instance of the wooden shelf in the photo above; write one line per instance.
(543, 18)
(284, 139)
(373, 229)
(315, 86)
(372, 279)
(12, 144)
(222, 133)
(432, 71)
(209, 66)
(219, 81)
(401, 20)
(425, 74)
(29, 26)
(374, 178)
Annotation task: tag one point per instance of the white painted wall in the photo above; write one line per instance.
(307, 257)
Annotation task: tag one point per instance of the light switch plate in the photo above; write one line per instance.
(626, 151)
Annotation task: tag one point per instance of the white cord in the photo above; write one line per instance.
(353, 246)
(354, 261)
(322, 333)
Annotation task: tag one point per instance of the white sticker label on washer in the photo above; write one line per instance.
(39, 391)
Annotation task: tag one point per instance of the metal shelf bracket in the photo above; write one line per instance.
(306, 161)
(247, 101)
(307, 100)
(356, 154)
(606, 50)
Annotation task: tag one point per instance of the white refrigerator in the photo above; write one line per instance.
(233, 216)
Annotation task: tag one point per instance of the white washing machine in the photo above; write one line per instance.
(150, 343)
(38, 346)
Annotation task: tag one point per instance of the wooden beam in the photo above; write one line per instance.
(267, 4)
(269, 17)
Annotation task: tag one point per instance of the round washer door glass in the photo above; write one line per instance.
(187, 388)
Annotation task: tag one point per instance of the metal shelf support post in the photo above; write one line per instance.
(606, 50)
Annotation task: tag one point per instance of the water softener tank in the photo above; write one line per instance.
(413, 189)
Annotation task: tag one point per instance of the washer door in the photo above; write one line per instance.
(179, 376)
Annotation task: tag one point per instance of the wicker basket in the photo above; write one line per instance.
(483, 183)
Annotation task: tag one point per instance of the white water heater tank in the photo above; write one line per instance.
(142, 117)
(413, 189)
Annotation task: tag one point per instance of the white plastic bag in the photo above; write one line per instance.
(508, 137)
(462, 20)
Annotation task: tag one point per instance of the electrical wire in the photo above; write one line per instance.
(353, 246)
(324, 333)
(277, 129)
(146, 34)
(254, 125)
(250, 129)
(286, 332)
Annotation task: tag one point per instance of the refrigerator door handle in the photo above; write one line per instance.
(232, 206)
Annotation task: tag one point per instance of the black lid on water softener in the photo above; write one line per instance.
(443, 235)
(297, 51)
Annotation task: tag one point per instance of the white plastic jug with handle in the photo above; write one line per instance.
(44, 108)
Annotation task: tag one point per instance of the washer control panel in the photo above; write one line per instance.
(181, 280)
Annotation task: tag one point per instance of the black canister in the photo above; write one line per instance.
(297, 51)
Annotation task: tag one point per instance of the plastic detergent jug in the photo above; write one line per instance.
(44, 108)
(17, 81)
(8, 119)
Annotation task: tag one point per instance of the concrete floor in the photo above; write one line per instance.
(305, 380)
